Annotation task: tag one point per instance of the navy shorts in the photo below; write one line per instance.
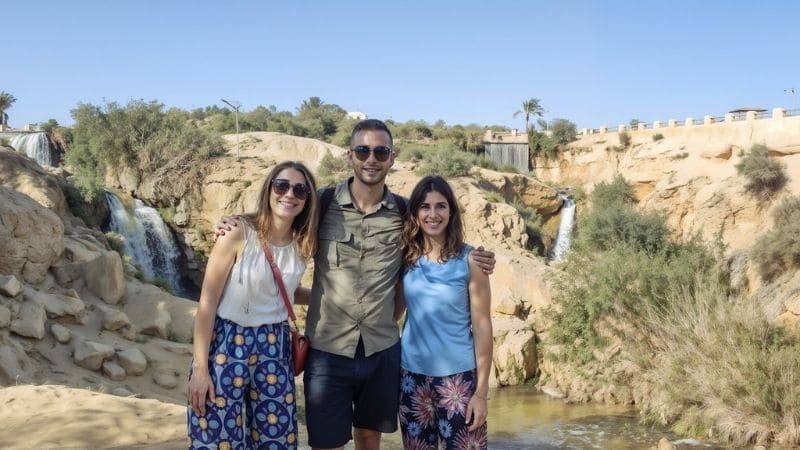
(342, 393)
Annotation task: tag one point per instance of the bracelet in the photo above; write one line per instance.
(481, 397)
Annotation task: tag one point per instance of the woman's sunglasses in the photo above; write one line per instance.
(381, 152)
(281, 186)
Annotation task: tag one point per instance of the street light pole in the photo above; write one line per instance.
(235, 105)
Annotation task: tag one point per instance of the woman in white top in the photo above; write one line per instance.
(241, 386)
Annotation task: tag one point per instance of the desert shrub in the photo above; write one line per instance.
(486, 163)
(116, 241)
(533, 225)
(765, 176)
(624, 139)
(657, 137)
(332, 170)
(721, 367)
(508, 168)
(542, 144)
(778, 250)
(679, 156)
(446, 162)
(494, 197)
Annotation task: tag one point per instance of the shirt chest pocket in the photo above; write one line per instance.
(337, 246)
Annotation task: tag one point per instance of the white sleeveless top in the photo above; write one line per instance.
(250, 297)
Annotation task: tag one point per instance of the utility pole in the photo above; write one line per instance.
(235, 105)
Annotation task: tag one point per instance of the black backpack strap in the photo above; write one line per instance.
(325, 199)
(401, 204)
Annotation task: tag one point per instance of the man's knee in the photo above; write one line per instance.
(366, 439)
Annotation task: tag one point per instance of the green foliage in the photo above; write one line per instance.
(679, 156)
(533, 225)
(116, 241)
(416, 151)
(530, 107)
(494, 197)
(163, 283)
(446, 162)
(563, 131)
(49, 126)
(486, 163)
(332, 170)
(140, 136)
(657, 137)
(765, 176)
(508, 169)
(6, 100)
(167, 213)
(4, 142)
(610, 195)
(624, 140)
(542, 144)
(86, 210)
(778, 250)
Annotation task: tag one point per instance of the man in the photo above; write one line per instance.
(352, 374)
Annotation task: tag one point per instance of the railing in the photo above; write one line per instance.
(764, 115)
(792, 112)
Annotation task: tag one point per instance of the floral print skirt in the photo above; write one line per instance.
(433, 409)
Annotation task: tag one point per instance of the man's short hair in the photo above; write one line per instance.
(371, 125)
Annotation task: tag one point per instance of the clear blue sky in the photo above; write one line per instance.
(593, 62)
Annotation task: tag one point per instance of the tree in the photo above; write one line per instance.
(563, 131)
(6, 100)
(530, 107)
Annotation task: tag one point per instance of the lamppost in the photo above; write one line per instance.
(791, 91)
(235, 105)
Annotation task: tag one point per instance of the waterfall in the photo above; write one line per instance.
(564, 237)
(147, 240)
(509, 155)
(35, 145)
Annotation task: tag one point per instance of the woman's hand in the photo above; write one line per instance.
(485, 259)
(476, 412)
(224, 224)
(200, 387)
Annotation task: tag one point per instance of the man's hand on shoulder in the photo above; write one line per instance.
(226, 223)
(485, 259)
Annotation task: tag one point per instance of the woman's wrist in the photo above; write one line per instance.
(481, 396)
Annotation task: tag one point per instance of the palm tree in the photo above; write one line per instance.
(6, 100)
(530, 107)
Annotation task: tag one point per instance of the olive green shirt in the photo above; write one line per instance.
(356, 269)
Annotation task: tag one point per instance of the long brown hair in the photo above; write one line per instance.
(305, 224)
(413, 240)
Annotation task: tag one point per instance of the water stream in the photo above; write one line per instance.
(565, 228)
(147, 240)
(35, 145)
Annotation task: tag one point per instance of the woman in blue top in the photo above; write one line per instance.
(446, 344)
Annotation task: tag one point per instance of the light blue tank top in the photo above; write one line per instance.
(437, 337)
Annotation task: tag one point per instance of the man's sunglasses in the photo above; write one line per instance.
(281, 186)
(382, 153)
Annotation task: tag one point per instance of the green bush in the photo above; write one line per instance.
(494, 197)
(777, 251)
(332, 170)
(563, 131)
(116, 241)
(486, 163)
(624, 140)
(657, 137)
(542, 144)
(447, 163)
(765, 176)
(533, 225)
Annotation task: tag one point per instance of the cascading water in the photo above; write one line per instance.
(148, 240)
(509, 155)
(35, 145)
(564, 237)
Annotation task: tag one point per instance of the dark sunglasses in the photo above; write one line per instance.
(382, 153)
(281, 186)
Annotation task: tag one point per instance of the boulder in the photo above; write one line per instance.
(31, 237)
(113, 371)
(61, 333)
(25, 176)
(14, 362)
(99, 269)
(515, 356)
(56, 305)
(30, 321)
(10, 286)
(133, 361)
(165, 379)
(90, 355)
(114, 319)
(5, 316)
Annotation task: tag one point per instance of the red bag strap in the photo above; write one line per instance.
(276, 273)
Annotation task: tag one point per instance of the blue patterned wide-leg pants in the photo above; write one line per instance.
(254, 385)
